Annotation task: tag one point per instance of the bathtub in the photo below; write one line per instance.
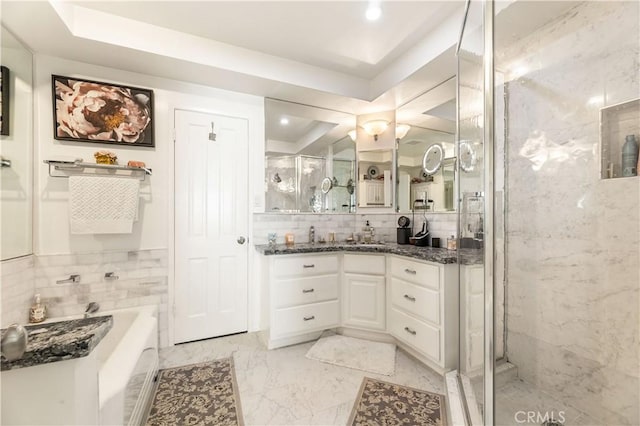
(110, 386)
(128, 365)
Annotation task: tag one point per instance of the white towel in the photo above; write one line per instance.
(102, 205)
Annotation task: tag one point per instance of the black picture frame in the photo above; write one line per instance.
(100, 112)
(5, 90)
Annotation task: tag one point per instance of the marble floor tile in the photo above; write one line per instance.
(283, 387)
(517, 398)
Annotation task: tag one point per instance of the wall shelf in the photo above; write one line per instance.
(78, 167)
(617, 121)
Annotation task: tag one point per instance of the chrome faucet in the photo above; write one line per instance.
(92, 308)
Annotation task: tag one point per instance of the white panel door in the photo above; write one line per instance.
(211, 224)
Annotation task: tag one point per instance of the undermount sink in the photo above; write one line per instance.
(371, 245)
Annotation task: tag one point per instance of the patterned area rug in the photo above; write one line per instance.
(382, 403)
(365, 355)
(202, 394)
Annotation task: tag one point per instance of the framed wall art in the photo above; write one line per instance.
(5, 86)
(93, 111)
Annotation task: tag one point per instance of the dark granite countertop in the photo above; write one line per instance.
(59, 341)
(437, 255)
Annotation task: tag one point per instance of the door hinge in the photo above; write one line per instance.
(174, 135)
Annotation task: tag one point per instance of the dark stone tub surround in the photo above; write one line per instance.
(59, 341)
(430, 254)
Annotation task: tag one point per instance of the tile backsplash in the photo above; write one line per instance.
(142, 280)
(441, 225)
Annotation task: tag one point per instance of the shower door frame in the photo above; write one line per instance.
(489, 207)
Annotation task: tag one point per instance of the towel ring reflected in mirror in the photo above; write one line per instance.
(432, 160)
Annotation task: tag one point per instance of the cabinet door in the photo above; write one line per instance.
(363, 301)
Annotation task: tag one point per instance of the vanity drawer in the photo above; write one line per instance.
(364, 264)
(415, 299)
(306, 318)
(305, 266)
(302, 291)
(421, 336)
(416, 272)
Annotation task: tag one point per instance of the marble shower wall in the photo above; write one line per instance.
(573, 240)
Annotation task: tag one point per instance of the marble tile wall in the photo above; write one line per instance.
(142, 280)
(17, 276)
(442, 225)
(573, 240)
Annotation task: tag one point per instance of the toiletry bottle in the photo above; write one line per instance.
(38, 311)
(366, 231)
(630, 156)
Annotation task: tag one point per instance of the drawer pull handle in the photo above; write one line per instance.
(309, 266)
(312, 317)
(411, 298)
(310, 290)
(410, 331)
(410, 271)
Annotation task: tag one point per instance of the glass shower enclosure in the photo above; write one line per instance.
(549, 221)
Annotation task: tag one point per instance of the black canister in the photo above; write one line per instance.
(403, 235)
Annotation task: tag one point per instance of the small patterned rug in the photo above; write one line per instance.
(202, 394)
(383, 403)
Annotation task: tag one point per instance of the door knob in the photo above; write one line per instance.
(241, 240)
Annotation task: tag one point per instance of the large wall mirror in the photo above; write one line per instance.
(310, 160)
(426, 154)
(16, 147)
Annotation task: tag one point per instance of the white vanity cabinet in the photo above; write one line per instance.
(372, 193)
(363, 291)
(303, 297)
(422, 310)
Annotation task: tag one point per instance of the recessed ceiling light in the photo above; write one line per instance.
(373, 12)
(284, 121)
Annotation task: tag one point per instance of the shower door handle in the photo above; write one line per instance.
(241, 240)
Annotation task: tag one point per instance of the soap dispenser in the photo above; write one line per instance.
(367, 234)
(38, 311)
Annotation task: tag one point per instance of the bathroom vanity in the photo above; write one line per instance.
(385, 292)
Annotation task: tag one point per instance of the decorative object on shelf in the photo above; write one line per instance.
(136, 164)
(78, 166)
(375, 127)
(105, 157)
(14, 342)
(38, 311)
(630, 156)
(5, 85)
(373, 172)
(91, 111)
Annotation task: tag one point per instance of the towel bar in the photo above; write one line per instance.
(78, 165)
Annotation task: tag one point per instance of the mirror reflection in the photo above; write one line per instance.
(16, 148)
(424, 182)
(375, 178)
(436, 190)
(310, 160)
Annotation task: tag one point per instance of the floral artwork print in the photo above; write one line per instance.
(89, 111)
